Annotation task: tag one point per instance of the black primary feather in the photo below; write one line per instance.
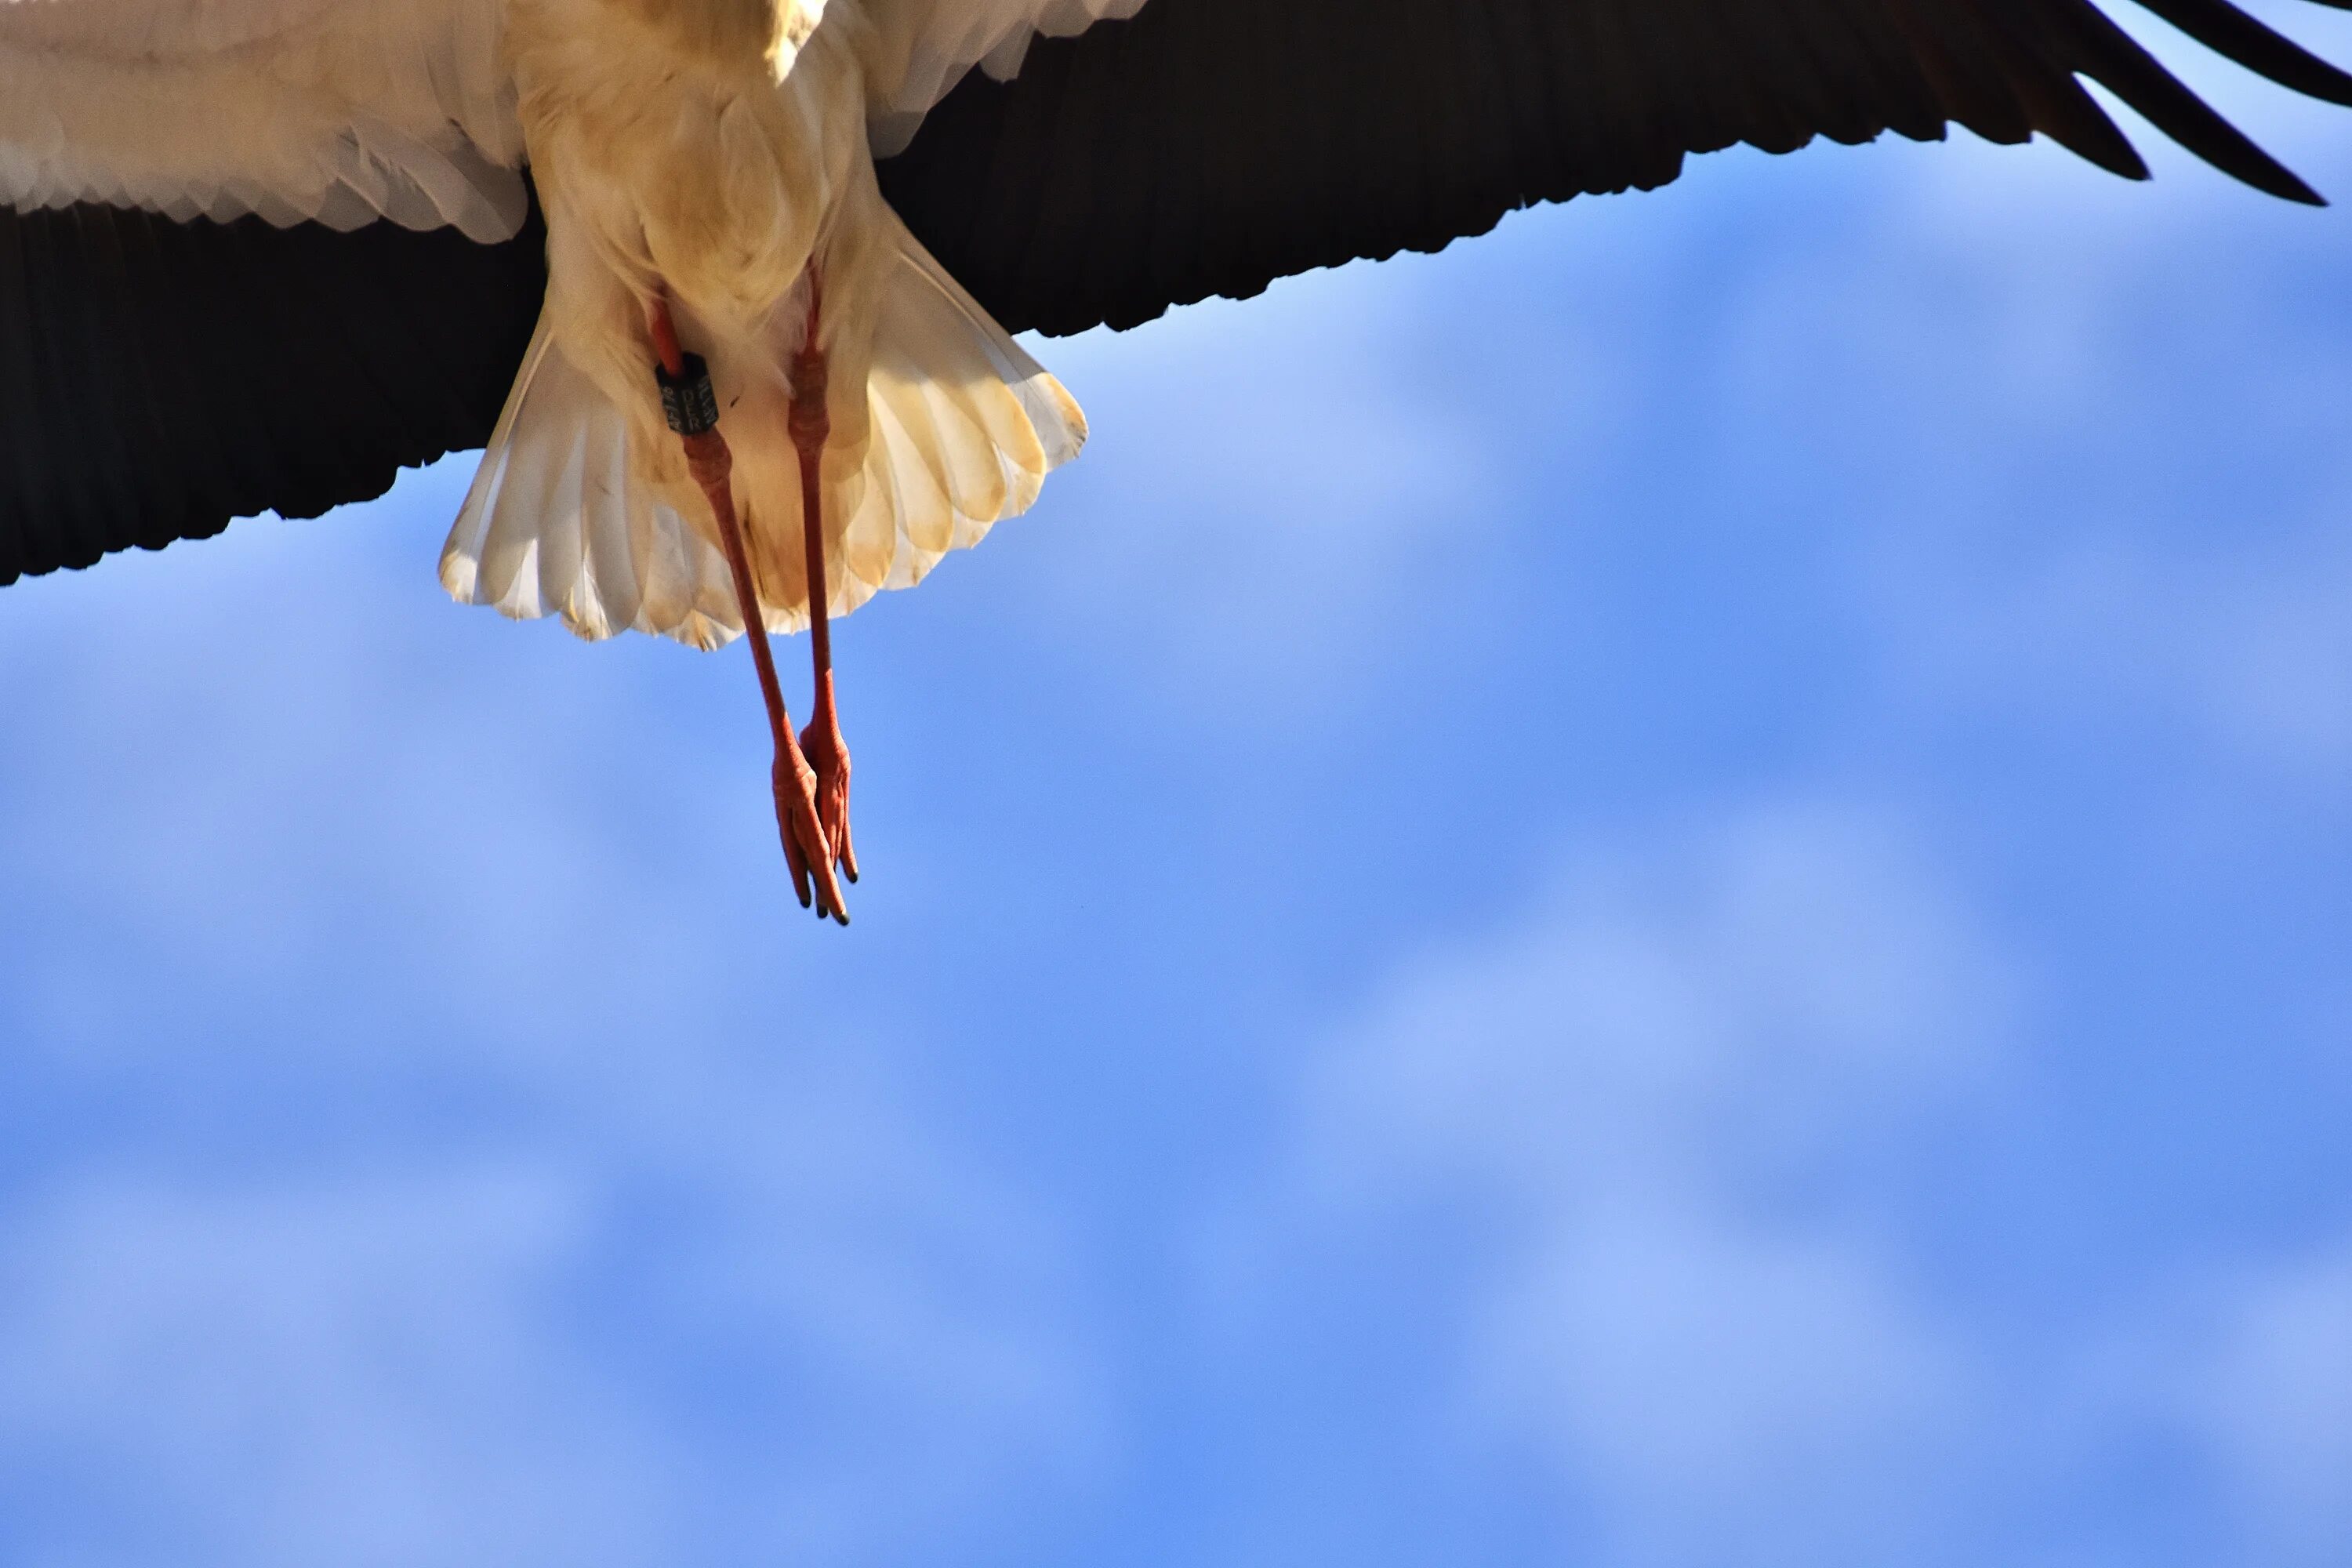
(1436, 117)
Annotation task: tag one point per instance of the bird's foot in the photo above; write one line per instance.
(828, 754)
(799, 821)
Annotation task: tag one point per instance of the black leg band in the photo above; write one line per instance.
(690, 402)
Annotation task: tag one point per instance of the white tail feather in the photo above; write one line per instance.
(554, 522)
(965, 426)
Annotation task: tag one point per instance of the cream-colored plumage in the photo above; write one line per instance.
(714, 152)
(707, 149)
(290, 108)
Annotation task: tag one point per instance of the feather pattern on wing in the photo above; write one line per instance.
(338, 110)
(159, 378)
(1210, 146)
(928, 45)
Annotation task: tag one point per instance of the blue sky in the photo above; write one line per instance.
(1667, 891)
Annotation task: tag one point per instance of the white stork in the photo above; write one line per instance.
(698, 271)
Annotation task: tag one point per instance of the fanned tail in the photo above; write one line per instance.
(962, 428)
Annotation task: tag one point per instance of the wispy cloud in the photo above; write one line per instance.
(485, 1352)
(1682, 1124)
(2266, 1389)
(1641, 1098)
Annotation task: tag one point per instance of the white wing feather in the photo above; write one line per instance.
(348, 111)
(340, 110)
(928, 45)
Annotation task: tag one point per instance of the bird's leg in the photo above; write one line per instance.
(811, 427)
(693, 412)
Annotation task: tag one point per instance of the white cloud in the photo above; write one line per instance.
(1720, 1391)
(1749, 992)
(2267, 1389)
(2102, 469)
(348, 1372)
(1633, 1099)
(1271, 484)
(2251, 652)
(1672, 1123)
(795, 1324)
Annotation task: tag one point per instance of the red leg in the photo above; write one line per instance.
(811, 427)
(798, 822)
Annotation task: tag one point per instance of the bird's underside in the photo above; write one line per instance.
(260, 254)
(159, 378)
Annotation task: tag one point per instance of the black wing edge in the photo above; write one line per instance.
(158, 379)
(1207, 147)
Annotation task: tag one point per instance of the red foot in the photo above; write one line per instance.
(801, 824)
(828, 754)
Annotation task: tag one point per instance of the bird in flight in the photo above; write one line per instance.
(725, 287)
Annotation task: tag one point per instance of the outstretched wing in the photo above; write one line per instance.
(340, 110)
(188, 332)
(158, 379)
(925, 47)
(1210, 146)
